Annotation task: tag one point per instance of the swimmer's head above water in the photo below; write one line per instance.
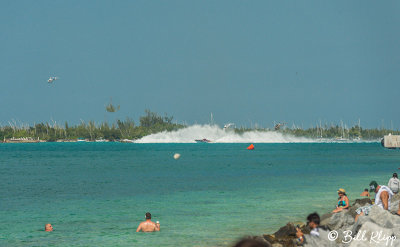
(148, 216)
(48, 228)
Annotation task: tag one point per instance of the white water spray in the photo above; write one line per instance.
(218, 135)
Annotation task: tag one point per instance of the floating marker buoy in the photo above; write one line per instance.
(251, 147)
(177, 156)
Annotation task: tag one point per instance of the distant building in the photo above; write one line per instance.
(391, 141)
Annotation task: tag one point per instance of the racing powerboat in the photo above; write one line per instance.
(203, 140)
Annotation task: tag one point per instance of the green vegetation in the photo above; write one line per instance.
(123, 129)
(332, 132)
(153, 123)
(338, 132)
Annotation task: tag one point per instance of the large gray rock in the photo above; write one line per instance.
(288, 230)
(384, 218)
(375, 230)
(325, 219)
(394, 206)
(258, 240)
(375, 227)
(341, 220)
(362, 201)
(396, 197)
(322, 240)
(319, 242)
(373, 236)
(357, 225)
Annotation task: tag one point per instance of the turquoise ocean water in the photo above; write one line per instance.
(96, 194)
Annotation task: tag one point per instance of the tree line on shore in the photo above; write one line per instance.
(333, 132)
(153, 123)
(355, 132)
(121, 129)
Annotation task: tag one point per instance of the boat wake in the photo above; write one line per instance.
(218, 135)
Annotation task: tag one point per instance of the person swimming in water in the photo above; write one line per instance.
(343, 201)
(48, 228)
(148, 225)
(365, 193)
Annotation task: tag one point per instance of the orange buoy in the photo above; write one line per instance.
(251, 147)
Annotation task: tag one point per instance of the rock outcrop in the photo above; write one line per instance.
(379, 228)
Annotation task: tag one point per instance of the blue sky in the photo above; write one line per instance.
(246, 62)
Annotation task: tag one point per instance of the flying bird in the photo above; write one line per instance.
(52, 78)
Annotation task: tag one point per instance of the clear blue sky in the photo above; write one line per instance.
(244, 61)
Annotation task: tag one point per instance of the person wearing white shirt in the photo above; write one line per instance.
(394, 183)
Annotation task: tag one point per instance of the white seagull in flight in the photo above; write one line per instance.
(52, 78)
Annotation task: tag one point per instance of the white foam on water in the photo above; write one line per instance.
(218, 135)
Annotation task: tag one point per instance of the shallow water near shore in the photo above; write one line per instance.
(96, 194)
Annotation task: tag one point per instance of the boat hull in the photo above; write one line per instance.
(202, 141)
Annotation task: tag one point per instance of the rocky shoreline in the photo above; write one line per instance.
(379, 228)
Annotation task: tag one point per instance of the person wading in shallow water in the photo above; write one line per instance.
(148, 225)
(365, 193)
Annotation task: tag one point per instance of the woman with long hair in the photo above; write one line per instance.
(343, 201)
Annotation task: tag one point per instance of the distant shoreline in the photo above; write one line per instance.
(152, 123)
(30, 140)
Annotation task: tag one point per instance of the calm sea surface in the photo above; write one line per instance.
(96, 194)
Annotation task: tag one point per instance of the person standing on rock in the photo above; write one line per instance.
(383, 195)
(394, 183)
(343, 201)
